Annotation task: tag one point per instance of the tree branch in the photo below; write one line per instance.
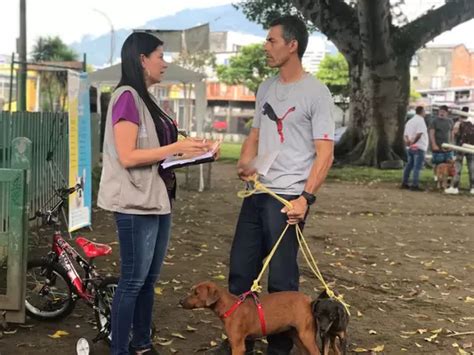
(409, 38)
(336, 19)
(375, 28)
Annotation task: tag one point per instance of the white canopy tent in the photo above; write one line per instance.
(174, 74)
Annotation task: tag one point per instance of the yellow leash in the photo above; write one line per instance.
(258, 186)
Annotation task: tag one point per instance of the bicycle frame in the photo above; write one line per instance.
(65, 253)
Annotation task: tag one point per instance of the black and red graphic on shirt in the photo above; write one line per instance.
(268, 110)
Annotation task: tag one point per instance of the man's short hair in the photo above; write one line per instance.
(293, 29)
(465, 109)
(419, 110)
(444, 108)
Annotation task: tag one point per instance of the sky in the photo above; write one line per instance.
(73, 19)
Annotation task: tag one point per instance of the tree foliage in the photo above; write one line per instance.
(48, 49)
(248, 68)
(197, 61)
(53, 82)
(334, 72)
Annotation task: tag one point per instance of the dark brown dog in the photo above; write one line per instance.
(283, 311)
(332, 320)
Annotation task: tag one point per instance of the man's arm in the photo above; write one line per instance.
(319, 171)
(417, 138)
(434, 146)
(247, 153)
(407, 141)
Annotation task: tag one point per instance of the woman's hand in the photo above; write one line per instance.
(190, 147)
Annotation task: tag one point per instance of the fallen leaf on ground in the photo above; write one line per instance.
(431, 338)
(164, 342)
(58, 334)
(178, 335)
(469, 299)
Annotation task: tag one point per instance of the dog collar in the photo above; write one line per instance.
(241, 300)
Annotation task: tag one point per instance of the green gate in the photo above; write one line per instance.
(13, 232)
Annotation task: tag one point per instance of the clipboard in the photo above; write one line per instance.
(176, 162)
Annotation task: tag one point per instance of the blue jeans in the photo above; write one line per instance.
(258, 228)
(143, 243)
(470, 169)
(416, 160)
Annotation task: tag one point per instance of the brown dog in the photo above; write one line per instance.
(282, 311)
(444, 172)
(332, 321)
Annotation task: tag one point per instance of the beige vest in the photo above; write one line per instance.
(138, 190)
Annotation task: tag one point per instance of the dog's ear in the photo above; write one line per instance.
(342, 316)
(323, 295)
(212, 295)
(314, 306)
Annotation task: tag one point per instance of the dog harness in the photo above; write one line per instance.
(241, 300)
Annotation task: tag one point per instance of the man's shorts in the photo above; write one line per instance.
(441, 157)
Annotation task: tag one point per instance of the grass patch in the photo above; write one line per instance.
(230, 152)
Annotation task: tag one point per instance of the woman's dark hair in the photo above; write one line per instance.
(132, 75)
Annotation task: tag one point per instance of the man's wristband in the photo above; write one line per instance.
(310, 198)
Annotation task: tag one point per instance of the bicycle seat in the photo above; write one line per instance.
(91, 249)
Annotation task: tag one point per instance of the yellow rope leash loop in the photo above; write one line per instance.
(258, 186)
(305, 250)
(256, 283)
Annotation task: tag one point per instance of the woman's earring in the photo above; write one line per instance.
(147, 72)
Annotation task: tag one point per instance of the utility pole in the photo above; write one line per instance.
(22, 54)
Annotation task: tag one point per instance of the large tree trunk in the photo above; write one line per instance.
(379, 100)
(379, 55)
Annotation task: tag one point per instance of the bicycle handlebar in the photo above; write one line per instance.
(48, 215)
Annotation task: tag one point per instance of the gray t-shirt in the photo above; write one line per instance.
(442, 128)
(290, 117)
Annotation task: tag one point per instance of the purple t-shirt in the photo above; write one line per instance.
(125, 109)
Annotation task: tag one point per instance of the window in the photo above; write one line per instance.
(462, 95)
(436, 82)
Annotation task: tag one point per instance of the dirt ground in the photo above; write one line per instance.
(402, 259)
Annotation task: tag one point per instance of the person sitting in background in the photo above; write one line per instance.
(416, 140)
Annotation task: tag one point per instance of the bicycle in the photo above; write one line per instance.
(53, 283)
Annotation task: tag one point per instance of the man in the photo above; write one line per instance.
(441, 132)
(293, 125)
(416, 140)
(463, 132)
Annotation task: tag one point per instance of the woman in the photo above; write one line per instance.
(138, 136)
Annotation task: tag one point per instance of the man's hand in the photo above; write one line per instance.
(297, 213)
(434, 147)
(245, 171)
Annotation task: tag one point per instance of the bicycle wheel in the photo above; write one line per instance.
(49, 293)
(103, 302)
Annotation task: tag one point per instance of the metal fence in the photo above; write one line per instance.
(47, 132)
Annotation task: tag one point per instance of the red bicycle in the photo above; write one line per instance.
(53, 284)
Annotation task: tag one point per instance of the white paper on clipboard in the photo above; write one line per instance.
(262, 163)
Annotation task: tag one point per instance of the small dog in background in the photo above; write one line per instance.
(332, 320)
(445, 173)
